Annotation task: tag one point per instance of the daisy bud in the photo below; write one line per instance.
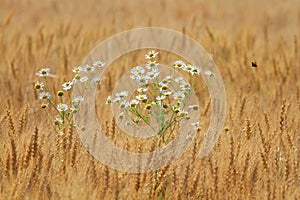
(44, 105)
(60, 93)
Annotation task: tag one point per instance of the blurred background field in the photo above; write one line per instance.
(256, 158)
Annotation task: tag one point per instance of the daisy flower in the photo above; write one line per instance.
(45, 95)
(84, 79)
(88, 68)
(122, 94)
(44, 72)
(142, 80)
(188, 68)
(169, 78)
(163, 88)
(209, 73)
(142, 97)
(152, 65)
(179, 79)
(134, 103)
(160, 98)
(137, 71)
(193, 107)
(136, 120)
(187, 117)
(195, 70)
(179, 95)
(67, 85)
(182, 113)
(74, 109)
(167, 93)
(164, 82)
(133, 76)
(97, 80)
(152, 74)
(151, 54)
(226, 129)
(98, 63)
(62, 107)
(121, 115)
(142, 89)
(77, 69)
(165, 106)
(78, 99)
(108, 100)
(58, 121)
(39, 86)
(124, 104)
(60, 93)
(185, 86)
(179, 64)
(148, 106)
(44, 105)
(117, 100)
(196, 126)
(176, 109)
(76, 77)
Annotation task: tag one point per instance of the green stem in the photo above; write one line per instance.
(135, 111)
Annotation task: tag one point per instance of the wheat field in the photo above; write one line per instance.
(257, 155)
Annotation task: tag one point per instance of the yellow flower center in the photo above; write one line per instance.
(226, 129)
(176, 110)
(164, 81)
(60, 93)
(136, 120)
(195, 107)
(133, 104)
(77, 76)
(164, 87)
(148, 106)
(37, 86)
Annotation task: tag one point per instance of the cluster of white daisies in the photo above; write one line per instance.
(169, 94)
(66, 110)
